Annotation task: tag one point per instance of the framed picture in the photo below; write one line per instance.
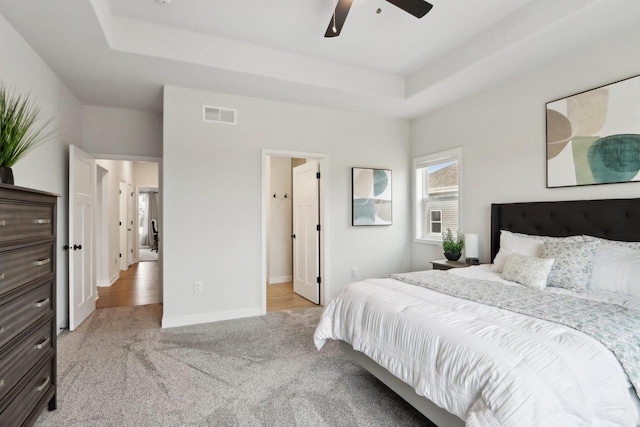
(594, 137)
(371, 194)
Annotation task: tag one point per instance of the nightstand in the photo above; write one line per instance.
(444, 264)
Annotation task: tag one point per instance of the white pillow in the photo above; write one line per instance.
(511, 243)
(616, 267)
(618, 243)
(531, 272)
(524, 244)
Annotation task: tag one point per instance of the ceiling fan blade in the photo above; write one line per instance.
(417, 8)
(342, 9)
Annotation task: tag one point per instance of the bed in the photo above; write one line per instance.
(485, 365)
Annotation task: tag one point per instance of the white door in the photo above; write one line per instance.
(130, 206)
(306, 236)
(82, 275)
(124, 237)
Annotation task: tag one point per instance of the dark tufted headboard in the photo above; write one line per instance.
(614, 219)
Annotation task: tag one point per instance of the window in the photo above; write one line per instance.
(437, 194)
(435, 221)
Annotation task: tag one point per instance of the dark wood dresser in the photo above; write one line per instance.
(27, 304)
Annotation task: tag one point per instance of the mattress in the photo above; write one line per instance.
(486, 365)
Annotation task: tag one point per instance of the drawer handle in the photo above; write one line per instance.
(42, 303)
(45, 382)
(42, 221)
(42, 262)
(1, 329)
(1, 276)
(42, 344)
(3, 222)
(1, 383)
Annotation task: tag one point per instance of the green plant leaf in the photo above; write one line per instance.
(20, 132)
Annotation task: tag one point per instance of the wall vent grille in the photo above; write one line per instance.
(219, 115)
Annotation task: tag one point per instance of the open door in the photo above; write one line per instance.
(130, 231)
(82, 274)
(306, 232)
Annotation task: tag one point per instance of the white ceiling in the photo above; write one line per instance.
(119, 53)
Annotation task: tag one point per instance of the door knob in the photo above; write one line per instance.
(293, 236)
(77, 247)
(66, 247)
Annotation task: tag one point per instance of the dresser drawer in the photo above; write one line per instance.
(21, 312)
(23, 357)
(25, 265)
(20, 221)
(24, 403)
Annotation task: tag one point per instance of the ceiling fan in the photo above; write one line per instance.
(417, 8)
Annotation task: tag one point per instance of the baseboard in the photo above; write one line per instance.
(195, 319)
(280, 279)
(103, 283)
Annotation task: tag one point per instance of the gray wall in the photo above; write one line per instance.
(212, 192)
(46, 167)
(121, 131)
(502, 132)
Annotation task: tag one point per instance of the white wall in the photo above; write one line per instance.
(46, 167)
(503, 130)
(119, 171)
(145, 174)
(212, 197)
(280, 266)
(121, 131)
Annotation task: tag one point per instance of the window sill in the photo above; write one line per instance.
(428, 242)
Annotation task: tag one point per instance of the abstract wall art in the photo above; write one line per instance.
(371, 190)
(594, 137)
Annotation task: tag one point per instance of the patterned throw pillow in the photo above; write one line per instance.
(605, 242)
(529, 271)
(573, 266)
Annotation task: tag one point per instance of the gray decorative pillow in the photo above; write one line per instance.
(573, 265)
(529, 271)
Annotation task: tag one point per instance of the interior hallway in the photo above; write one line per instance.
(139, 285)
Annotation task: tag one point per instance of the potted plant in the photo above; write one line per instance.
(452, 244)
(19, 131)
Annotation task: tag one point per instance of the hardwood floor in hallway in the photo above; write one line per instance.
(139, 285)
(282, 297)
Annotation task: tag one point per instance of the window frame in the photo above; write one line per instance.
(419, 214)
(431, 221)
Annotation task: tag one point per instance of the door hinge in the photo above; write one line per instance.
(318, 175)
(131, 194)
(120, 191)
(319, 280)
(318, 227)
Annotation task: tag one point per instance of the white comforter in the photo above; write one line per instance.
(488, 366)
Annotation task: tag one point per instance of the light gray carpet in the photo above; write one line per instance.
(120, 369)
(145, 254)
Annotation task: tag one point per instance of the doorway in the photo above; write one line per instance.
(293, 237)
(131, 282)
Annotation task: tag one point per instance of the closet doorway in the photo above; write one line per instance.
(293, 213)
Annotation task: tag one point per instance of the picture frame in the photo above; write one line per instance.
(593, 137)
(371, 196)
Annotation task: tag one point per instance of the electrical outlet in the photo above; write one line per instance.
(197, 286)
(354, 271)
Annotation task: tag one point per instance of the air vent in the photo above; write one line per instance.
(219, 115)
